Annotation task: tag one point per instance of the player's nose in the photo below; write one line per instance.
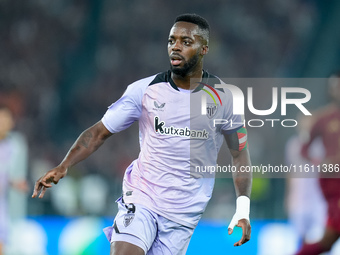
(176, 46)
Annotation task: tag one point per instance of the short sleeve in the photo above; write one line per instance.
(126, 110)
(234, 121)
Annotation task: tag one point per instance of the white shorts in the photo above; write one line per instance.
(156, 235)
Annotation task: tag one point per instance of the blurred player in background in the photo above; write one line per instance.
(163, 199)
(13, 158)
(327, 126)
(305, 203)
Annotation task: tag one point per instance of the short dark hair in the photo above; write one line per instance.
(201, 22)
(194, 18)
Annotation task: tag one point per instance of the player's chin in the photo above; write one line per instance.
(178, 70)
(176, 67)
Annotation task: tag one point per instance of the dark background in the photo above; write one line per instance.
(63, 62)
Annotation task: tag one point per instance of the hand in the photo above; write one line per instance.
(246, 231)
(44, 182)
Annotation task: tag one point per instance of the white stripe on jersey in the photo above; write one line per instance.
(243, 139)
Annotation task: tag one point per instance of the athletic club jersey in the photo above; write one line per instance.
(176, 142)
(13, 163)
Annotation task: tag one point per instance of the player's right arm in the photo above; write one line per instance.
(118, 117)
(87, 143)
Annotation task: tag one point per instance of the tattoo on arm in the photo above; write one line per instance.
(88, 142)
(86, 138)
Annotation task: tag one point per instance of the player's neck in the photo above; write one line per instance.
(183, 82)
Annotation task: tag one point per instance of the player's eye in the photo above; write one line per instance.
(186, 43)
(170, 41)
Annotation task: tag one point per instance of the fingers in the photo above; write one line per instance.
(45, 182)
(246, 232)
(42, 192)
(37, 188)
(232, 225)
(35, 193)
(41, 185)
(242, 240)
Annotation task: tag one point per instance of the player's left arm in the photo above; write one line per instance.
(238, 146)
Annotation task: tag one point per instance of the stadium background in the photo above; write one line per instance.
(63, 62)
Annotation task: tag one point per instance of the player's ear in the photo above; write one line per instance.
(204, 50)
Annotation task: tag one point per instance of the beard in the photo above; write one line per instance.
(187, 67)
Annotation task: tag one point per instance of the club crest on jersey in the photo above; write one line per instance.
(128, 218)
(211, 110)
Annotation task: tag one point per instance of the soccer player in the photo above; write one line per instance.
(305, 203)
(163, 196)
(12, 171)
(327, 126)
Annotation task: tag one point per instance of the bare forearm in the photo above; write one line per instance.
(242, 179)
(87, 143)
(243, 182)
